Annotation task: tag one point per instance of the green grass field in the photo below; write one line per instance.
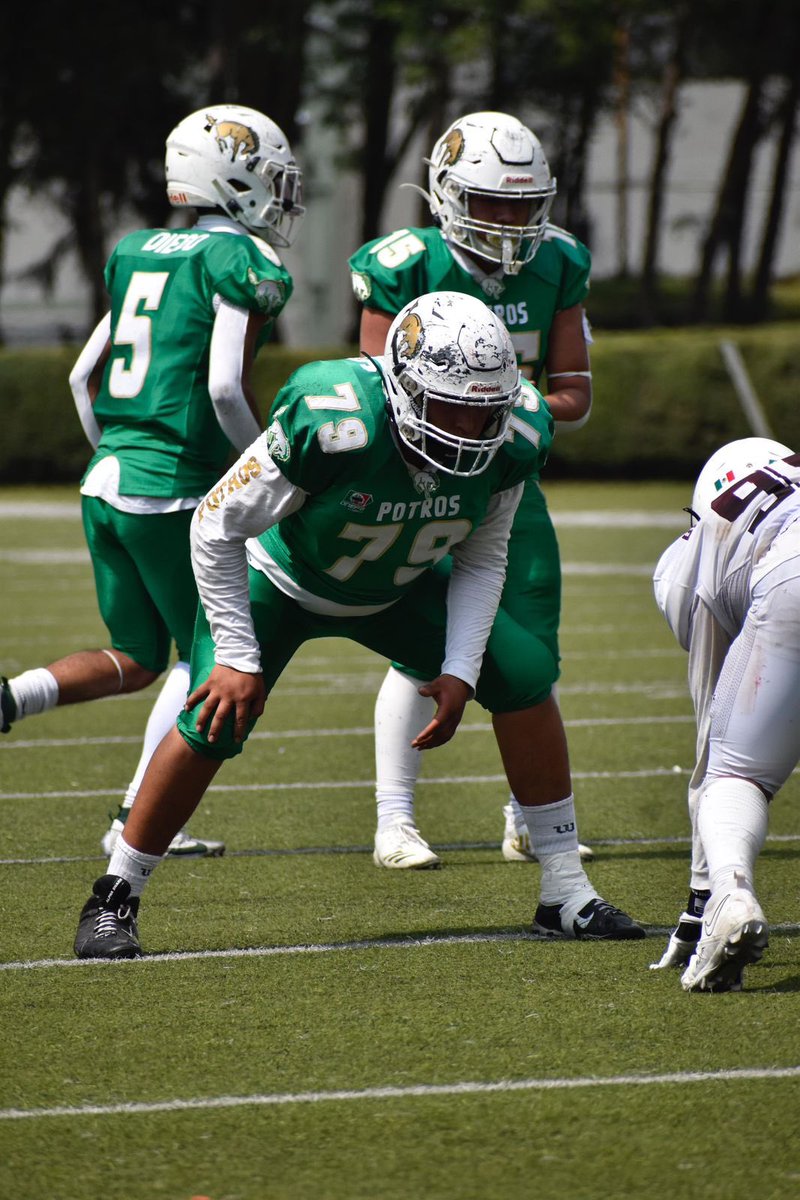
(311, 1027)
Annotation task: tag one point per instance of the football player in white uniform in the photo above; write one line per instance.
(730, 591)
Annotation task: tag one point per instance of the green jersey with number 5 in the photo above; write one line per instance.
(153, 404)
(372, 524)
(390, 272)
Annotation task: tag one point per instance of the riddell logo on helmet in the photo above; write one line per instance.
(178, 198)
(515, 180)
(483, 389)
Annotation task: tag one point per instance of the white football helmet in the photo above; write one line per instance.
(491, 155)
(448, 347)
(731, 463)
(234, 158)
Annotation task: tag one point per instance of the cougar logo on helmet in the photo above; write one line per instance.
(452, 148)
(410, 336)
(233, 136)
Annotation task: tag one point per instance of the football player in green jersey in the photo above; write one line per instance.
(163, 392)
(490, 195)
(332, 525)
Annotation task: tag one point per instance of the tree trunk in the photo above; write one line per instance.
(726, 224)
(673, 76)
(376, 165)
(763, 276)
(90, 237)
(621, 84)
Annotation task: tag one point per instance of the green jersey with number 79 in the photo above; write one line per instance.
(153, 404)
(372, 524)
(391, 271)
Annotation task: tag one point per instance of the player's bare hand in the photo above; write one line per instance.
(451, 695)
(228, 692)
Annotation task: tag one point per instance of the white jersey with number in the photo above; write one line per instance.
(730, 591)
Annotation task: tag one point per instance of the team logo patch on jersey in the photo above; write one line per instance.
(362, 286)
(270, 293)
(492, 286)
(278, 446)
(425, 482)
(357, 501)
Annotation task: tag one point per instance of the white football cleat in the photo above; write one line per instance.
(183, 845)
(517, 840)
(403, 847)
(682, 943)
(734, 933)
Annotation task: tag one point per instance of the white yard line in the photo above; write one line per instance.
(277, 735)
(355, 946)
(446, 847)
(332, 784)
(412, 1091)
(612, 518)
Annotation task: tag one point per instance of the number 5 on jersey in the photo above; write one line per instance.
(134, 329)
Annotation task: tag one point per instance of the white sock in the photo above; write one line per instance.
(163, 715)
(554, 840)
(132, 866)
(698, 875)
(395, 810)
(732, 819)
(34, 692)
(400, 714)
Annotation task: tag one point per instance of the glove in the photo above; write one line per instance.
(682, 943)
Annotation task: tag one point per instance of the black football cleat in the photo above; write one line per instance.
(107, 925)
(597, 921)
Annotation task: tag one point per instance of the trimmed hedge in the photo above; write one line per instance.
(663, 403)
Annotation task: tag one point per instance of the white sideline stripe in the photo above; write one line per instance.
(332, 784)
(467, 1088)
(274, 735)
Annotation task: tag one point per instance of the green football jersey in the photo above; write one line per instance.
(372, 524)
(390, 272)
(153, 404)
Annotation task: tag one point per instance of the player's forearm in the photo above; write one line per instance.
(570, 400)
(232, 398)
(80, 378)
(476, 584)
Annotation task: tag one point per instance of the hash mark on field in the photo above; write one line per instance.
(466, 1088)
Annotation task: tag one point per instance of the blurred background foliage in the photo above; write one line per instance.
(86, 98)
(84, 105)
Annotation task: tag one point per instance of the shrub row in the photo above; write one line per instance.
(663, 402)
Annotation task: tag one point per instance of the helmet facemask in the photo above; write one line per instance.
(511, 246)
(280, 195)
